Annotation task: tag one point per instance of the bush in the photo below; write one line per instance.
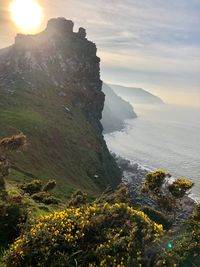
(168, 197)
(95, 235)
(179, 187)
(51, 184)
(12, 215)
(120, 195)
(77, 199)
(157, 217)
(4, 167)
(13, 143)
(185, 251)
(2, 186)
(33, 187)
(45, 197)
(4, 171)
(154, 181)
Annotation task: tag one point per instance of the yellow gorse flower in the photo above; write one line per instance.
(112, 237)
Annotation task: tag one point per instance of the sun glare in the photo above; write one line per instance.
(26, 14)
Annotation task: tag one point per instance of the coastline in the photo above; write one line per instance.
(153, 145)
(134, 175)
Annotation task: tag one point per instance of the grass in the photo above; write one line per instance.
(61, 145)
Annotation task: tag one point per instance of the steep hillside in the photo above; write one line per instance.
(136, 95)
(50, 89)
(116, 111)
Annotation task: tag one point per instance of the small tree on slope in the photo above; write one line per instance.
(7, 145)
(166, 195)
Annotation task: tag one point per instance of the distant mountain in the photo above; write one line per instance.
(136, 95)
(116, 111)
(50, 89)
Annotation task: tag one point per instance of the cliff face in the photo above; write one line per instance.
(50, 89)
(63, 59)
(116, 111)
(136, 95)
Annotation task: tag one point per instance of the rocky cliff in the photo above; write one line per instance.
(116, 111)
(50, 89)
(136, 95)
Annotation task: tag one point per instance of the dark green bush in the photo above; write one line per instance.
(78, 198)
(4, 171)
(120, 195)
(33, 187)
(185, 249)
(12, 215)
(51, 184)
(45, 197)
(157, 217)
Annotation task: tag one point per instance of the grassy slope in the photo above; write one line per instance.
(61, 145)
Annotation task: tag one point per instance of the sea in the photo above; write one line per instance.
(162, 137)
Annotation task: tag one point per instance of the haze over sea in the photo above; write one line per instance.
(163, 136)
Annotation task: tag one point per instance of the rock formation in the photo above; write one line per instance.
(116, 111)
(41, 75)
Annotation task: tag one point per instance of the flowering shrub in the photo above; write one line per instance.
(94, 235)
(168, 197)
(179, 187)
(77, 199)
(154, 181)
(185, 249)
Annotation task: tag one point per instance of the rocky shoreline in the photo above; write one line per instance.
(133, 175)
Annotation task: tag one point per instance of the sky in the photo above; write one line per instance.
(152, 44)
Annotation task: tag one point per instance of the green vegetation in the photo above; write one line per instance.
(107, 232)
(8, 145)
(58, 140)
(92, 235)
(33, 187)
(78, 198)
(154, 181)
(167, 196)
(12, 216)
(45, 197)
(14, 205)
(51, 184)
(39, 194)
(157, 217)
(179, 188)
(185, 248)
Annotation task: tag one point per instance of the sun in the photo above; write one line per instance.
(26, 14)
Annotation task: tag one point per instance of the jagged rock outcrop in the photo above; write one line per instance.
(62, 57)
(50, 89)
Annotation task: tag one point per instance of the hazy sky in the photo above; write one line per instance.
(154, 44)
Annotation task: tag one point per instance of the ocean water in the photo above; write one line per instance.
(166, 137)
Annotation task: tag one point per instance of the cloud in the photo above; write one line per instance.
(154, 43)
